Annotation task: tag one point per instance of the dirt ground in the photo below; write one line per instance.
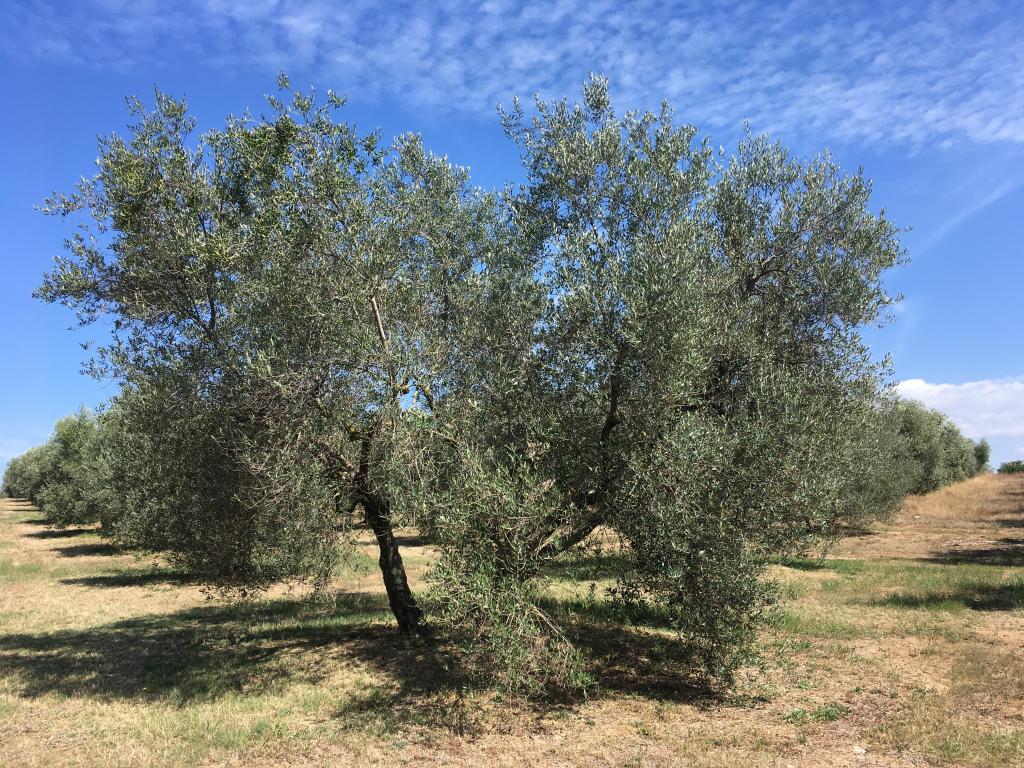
(904, 647)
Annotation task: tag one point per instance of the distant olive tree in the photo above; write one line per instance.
(26, 474)
(934, 452)
(982, 454)
(66, 477)
(68, 492)
(1011, 467)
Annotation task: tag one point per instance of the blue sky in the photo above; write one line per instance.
(927, 97)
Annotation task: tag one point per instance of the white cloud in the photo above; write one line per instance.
(989, 408)
(912, 74)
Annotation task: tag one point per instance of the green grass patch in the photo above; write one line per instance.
(807, 624)
(826, 713)
(952, 738)
(958, 592)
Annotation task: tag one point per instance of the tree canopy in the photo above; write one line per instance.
(647, 343)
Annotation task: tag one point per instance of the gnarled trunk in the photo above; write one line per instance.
(377, 509)
(400, 597)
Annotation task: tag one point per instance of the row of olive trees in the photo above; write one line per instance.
(314, 331)
(936, 453)
(73, 477)
(66, 477)
(923, 451)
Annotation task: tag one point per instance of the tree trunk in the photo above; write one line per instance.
(378, 516)
(564, 539)
(400, 597)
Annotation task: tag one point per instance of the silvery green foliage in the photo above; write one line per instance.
(690, 373)
(485, 584)
(646, 337)
(982, 454)
(931, 450)
(68, 492)
(26, 474)
(269, 285)
(66, 477)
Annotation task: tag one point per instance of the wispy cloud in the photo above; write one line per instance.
(988, 408)
(912, 74)
(980, 203)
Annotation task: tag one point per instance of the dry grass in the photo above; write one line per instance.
(904, 647)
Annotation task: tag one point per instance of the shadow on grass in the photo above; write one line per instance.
(630, 649)
(643, 664)
(17, 503)
(1016, 517)
(836, 565)
(1009, 552)
(1001, 597)
(587, 567)
(89, 550)
(139, 578)
(61, 533)
(211, 651)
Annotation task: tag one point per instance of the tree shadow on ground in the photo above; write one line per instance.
(210, 651)
(35, 521)
(638, 662)
(1007, 552)
(1000, 597)
(587, 566)
(836, 565)
(61, 533)
(18, 504)
(630, 649)
(138, 578)
(1015, 519)
(89, 550)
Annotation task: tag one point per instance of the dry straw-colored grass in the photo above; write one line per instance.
(903, 647)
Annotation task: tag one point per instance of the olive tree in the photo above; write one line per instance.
(647, 338)
(66, 477)
(269, 285)
(982, 454)
(67, 495)
(934, 452)
(690, 374)
(26, 474)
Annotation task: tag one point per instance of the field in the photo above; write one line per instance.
(904, 647)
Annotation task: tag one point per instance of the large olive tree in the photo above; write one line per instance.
(646, 338)
(690, 375)
(270, 285)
